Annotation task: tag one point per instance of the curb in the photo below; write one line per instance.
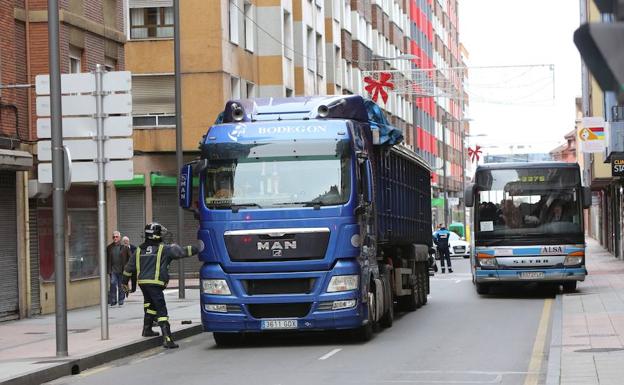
(553, 373)
(75, 366)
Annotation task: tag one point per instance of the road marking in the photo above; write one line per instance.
(457, 280)
(94, 371)
(326, 356)
(537, 356)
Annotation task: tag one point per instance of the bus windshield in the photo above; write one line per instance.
(278, 179)
(529, 203)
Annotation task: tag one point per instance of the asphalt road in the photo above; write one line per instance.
(459, 337)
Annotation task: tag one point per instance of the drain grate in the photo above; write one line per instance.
(36, 333)
(599, 350)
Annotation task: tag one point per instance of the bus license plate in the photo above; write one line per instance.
(531, 275)
(279, 324)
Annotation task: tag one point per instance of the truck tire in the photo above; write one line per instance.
(410, 302)
(365, 332)
(482, 288)
(387, 319)
(569, 286)
(424, 277)
(228, 339)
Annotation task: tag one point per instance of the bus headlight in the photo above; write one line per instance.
(343, 283)
(572, 260)
(487, 260)
(215, 286)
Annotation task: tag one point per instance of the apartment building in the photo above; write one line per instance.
(91, 32)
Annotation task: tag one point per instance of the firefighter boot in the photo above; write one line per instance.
(450, 270)
(147, 327)
(168, 342)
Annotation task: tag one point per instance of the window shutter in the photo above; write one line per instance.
(153, 95)
(150, 3)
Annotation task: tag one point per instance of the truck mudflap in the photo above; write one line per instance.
(530, 275)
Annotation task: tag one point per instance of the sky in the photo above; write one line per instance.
(514, 106)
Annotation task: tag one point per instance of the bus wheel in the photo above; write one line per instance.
(482, 288)
(569, 286)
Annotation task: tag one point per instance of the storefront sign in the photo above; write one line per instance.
(617, 165)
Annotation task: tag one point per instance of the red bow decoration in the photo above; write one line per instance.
(474, 154)
(377, 87)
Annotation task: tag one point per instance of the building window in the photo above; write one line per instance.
(249, 26)
(250, 90)
(235, 87)
(233, 22)
(310, 52)
(75, 60)
(83, 230)
(288, 36)
(319, 55)
(289, 93)
(110, 64)
(153, 101)
(154, 22)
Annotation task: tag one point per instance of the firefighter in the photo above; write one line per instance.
(441, 238)
(151, 264)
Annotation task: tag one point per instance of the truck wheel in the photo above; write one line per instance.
(569, 286)
(365, 332)
(410, 302)
(228, 339)
(482, 288)
(388, 318)
(424, 277)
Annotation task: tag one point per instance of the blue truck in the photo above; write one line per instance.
(312, 217)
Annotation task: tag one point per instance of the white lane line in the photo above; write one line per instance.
(458, 280)
(326, 356)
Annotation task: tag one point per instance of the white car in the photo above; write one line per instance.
(458, 247)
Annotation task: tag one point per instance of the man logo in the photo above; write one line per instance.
(277, 246)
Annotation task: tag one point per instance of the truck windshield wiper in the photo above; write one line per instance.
(238, 206)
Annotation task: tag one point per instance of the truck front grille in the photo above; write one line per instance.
(279, 310)
(278, 286)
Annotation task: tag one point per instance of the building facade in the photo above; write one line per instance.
(91, 32)
(606, 214)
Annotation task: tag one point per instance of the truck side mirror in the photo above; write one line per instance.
(469, 194)
(587, 197)
(185, 186)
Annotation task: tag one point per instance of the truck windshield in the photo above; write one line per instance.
(528, 203)
(279, 181)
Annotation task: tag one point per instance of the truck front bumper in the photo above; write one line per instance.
(516, 275)
(245, 312)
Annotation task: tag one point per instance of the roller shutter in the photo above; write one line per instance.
(8, 252)
(35, 306)
(153, 95)
(131, 213)
(150, 3)
(165, 206)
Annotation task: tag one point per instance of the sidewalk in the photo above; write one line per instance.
(588, 335)
(28, 346)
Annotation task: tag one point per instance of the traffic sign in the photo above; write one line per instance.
(84, 83)
(83, 127)
(87, 171)
(86, 149)
(76, 105)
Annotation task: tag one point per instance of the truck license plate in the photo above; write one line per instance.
(531, 275)
(279, 324)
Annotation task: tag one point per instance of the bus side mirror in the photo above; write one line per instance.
(587, 197)
(185, 192)
(469, 194)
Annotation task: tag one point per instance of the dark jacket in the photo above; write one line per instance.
(124, 254)
(441, 238)
(151, 262)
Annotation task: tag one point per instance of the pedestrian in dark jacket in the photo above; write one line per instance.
(151, 263)
(117, 256)
(133, 280)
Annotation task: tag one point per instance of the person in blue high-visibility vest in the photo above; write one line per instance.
(441, 239)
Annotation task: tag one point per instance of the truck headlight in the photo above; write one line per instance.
(343, 283)
(572, 260)
(215, 286)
